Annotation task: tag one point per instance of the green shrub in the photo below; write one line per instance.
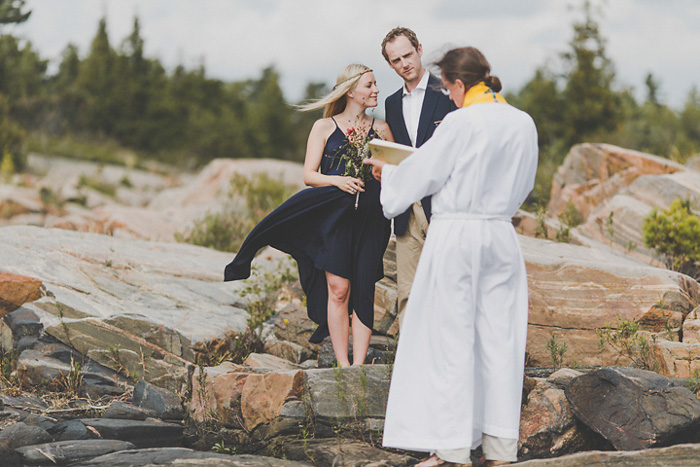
(249, 201)
(626, 339)
(674, 234)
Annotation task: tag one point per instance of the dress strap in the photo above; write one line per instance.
(371, 127)
(336, 123)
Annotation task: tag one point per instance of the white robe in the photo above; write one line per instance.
(460, 359)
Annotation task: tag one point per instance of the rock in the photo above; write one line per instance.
(293, 409)
(164, 403)
(691, 328)
(528, 224)
(42, 421)
(67, 452)
(343, 452)
(242, 396)
(22, 434)
(344, 396)
(592, 173)
(25, 402)
(262, 396)
(171, 296)
(385, 305)
(183, 457)
(16, 201)
(149, 433)
(286, 350)
(681, 455)
(562, 377)
(574, 290)
(56, 366)
(35, 368)
(17, 325)
(629, 207)
(10, 457)
(635, 409)
(16, 290)
(390, 259)
(293, 325)
(118, 409)
(676, 359)
(547, 425)
(269, 362)
(69, 430)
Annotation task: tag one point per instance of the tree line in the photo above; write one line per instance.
(576, 100)
(117, 95)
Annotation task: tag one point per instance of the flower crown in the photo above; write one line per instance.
(356, 75)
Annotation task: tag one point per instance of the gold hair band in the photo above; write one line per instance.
(356, 75)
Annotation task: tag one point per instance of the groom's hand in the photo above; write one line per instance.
(376, 167)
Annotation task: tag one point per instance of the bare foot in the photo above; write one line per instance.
(432, 461)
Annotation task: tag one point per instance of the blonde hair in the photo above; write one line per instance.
(335, 101)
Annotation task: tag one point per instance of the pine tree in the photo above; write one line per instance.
(591, 103)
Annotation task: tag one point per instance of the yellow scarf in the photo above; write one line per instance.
(481, 94)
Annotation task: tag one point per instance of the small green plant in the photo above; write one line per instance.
(97, 184)
(125, 181)
(667, 323)
(569, 218)
(556, 351)
(610, 226)
(541, 229)
(48, 197)
(627, 341)
(631, 246)
(74, 379)
(221, 448)
(8, 364)
(693, 383)
(674, 234)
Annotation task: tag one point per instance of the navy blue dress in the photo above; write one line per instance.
(321, 229)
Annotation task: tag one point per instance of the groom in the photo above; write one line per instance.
(413, 112)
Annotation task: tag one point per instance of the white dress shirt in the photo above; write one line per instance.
(412, 105)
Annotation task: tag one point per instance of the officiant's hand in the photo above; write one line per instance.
(376, 167)
(350, 184)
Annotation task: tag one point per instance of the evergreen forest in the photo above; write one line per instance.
(114, 104)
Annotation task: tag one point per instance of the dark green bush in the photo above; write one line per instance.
(675, 236)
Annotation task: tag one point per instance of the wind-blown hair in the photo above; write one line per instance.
(335, 101)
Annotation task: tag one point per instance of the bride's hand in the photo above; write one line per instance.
(377, 166)
(351, 185)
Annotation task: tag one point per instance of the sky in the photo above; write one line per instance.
(311, 40)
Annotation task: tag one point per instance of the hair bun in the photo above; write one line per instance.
(493, 82)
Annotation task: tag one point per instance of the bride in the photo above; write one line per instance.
(337, 237)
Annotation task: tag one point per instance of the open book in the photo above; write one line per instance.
(391, 153)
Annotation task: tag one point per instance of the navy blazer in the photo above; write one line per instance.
(435, 106)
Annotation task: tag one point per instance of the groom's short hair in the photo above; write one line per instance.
(396, 32)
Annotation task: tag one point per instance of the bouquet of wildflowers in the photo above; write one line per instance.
(355, 151)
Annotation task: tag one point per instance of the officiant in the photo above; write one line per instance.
(457, 379)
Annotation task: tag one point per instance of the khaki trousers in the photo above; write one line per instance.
(495, 449)
(408, 249)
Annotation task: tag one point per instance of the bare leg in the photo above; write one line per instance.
(361, 335)
(338, 326)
